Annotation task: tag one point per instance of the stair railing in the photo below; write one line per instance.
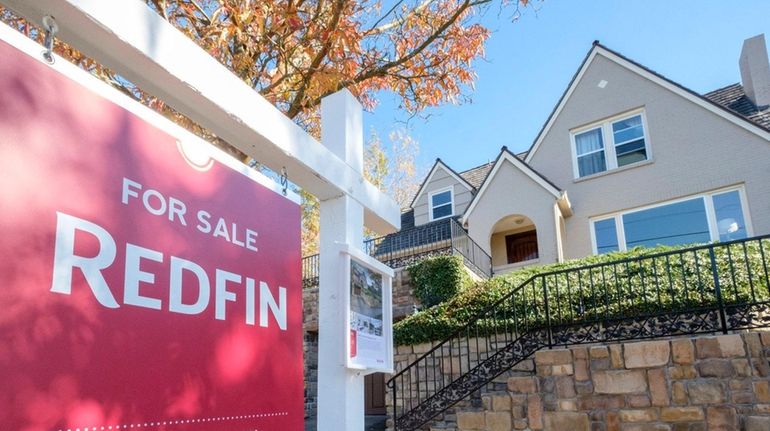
(474, 257)
(412, 245)
(703, 289)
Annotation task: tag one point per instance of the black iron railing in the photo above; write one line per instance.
(443, 237)
(475, 258)
(310, 270)
(412, 245)
(705, 289)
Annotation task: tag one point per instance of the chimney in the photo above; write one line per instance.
(755, 70)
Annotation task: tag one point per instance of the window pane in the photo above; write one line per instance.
(606, 236)
(630, 147)
(442, 211)
(634, 121)
(729, 213)
(628, 135)
(631, 152)
(628, 129)
(589, 141)
(674, 224)
(591, 164)
(442, 198)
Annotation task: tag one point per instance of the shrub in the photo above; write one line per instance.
(607, 287)
(438, 279)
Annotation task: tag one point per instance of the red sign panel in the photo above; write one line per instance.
(141, 286)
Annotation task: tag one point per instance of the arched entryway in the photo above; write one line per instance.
(513, 242)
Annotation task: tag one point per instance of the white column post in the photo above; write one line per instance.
(340, 390)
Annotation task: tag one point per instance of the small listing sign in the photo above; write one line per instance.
(370, 319)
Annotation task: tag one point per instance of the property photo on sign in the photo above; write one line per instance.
(149, 281)
(367, 341)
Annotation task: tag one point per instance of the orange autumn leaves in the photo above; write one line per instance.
(296, 52)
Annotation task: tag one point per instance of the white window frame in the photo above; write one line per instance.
(710, 215)
(451, 191)
(602, 150)
(608, 139)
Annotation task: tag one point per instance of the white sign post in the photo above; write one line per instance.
(340, 390)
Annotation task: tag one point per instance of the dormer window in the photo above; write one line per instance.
(609, 145)
(441, 204)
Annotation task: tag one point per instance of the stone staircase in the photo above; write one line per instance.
(484, 403)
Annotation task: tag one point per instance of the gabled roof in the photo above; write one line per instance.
(436, 166)
(540, 179)
(733, 116)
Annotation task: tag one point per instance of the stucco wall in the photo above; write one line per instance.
(511, 192)
(692, 151)
(441, 179)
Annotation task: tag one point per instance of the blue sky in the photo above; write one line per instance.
(530, 62)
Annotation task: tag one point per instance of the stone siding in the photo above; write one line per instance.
(311, 374)
(682, 384)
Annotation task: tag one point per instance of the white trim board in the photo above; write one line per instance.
(186, 141)
(506, 156)
(131, 39)
(438, 164)
(675, 88)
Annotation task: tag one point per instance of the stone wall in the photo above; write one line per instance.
(404, 302)
(682, 384)
(311, 374)
(310, 349)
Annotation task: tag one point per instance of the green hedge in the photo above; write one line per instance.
(438, 279)
(650, 285)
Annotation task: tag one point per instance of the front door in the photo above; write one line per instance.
(521, 246)
(374, 394)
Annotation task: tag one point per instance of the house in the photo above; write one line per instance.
(627, 158)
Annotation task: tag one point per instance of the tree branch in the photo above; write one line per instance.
(297, 103)
(400, 20)
(383, 69)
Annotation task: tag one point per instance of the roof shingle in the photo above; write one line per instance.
(475, 176)
(734, 98)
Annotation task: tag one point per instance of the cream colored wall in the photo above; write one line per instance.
(498, 247)
(692, 150)
(441, 179)
(512, 192)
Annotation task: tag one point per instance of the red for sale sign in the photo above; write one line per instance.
(147, 281)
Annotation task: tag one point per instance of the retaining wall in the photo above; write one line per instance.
(682, 384)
